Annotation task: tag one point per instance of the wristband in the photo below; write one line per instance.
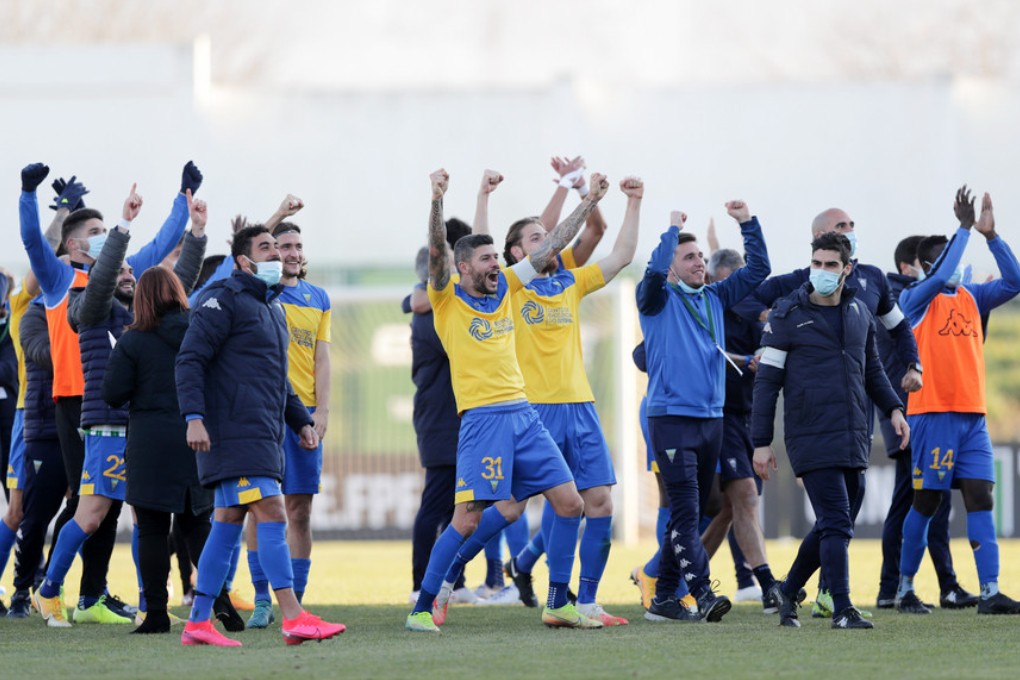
(124, 224)
(583, 190)
(567, 182)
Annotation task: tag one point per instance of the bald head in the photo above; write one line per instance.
(832, 219)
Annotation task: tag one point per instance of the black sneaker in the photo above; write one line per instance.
(787, 607)
(771, 605)
(21, 605)
(911, 604)
(998, 604)
(523, 583)
(670, 609)
(885, 601)
(119, 607)
(224, 610)
(957, 598)
(851, 618)
(713, 607)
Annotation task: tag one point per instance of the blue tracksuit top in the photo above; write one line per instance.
(686, 369)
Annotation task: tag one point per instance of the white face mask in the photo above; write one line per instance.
(852, 237)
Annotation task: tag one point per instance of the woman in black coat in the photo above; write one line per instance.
(163, 478)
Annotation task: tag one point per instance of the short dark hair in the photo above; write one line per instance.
(455, 231)
(285, 227)
(209, 265)
(242, 241)
(929, 249)
(906, 251)
(833, 240)
(514, 237)
(76, 219)
(686, 237)
(466, 246)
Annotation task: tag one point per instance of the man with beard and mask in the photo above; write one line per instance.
(309, 319)
(820, 351)
(952, 448)
(233, 390)
(874, 293)
(99, 313)
(504, 453)
(82, 237)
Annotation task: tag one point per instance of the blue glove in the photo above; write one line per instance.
(191, 178)
(662, 256)
(69, 194)
(33, 175)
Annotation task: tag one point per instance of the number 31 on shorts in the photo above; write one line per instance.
(493, 468)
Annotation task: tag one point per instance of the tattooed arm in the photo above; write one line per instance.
(560, 236)
(439, 255)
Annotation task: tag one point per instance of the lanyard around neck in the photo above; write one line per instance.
(707, 322)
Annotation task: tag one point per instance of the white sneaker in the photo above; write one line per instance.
(508, 595)
(413, 597)
(484, 592)
(464, 596)
(748, 594)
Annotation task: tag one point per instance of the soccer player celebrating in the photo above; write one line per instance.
(820, 350)
(947, 416)
(504, 454)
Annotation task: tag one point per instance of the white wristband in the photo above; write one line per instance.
(567, 182)
(124, 224)
(583, 190)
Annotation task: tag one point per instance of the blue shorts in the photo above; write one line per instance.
(649, 451)
(737, 450)
(503, 451)
(16, 464)
(104, 473)
(244, 490)
(578, 434)
(303, 469)
(950, 446)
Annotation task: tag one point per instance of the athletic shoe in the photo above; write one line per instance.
(670, 609)
(954, 598)
(822, 608)
(239, 603)
(786, 606)
(593, 610)
(464, 595)
(689, 602)
(523, 583)
(224, 612)
(21, 605)
(421, 623)
(713, 607)
(100, 613)
(751, 593)
(909, 603)
(262, 616)
(885, 601)
(119, 606)
(998, 604)
(567, 616)
(645, 583)
(307, 626)
(851, 618)
(508, 595)
(771, 607)
(52, 610)
(485, 591)
(441, 605)
(204, 634)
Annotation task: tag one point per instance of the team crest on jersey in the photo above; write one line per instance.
(494, 484)
(957, 325)
(308, 297)
(532, 312)
(480, 329)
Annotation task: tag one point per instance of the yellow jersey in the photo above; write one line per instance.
(478, 336)
(549, 335)
(309, 320)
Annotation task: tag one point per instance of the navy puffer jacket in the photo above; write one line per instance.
(40, 409)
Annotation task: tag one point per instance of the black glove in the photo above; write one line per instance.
(69, 194)
(191, 178)
(33, 175)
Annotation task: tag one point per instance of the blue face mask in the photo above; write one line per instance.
(688, 289)
(852, 237)
(96, 244)
(825, 283)
(269, 272)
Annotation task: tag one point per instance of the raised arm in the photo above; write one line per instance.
(288, 208)
(994, 293)
(560, 236)
(189, 264)
(572, 177)
(742, 282)
(626, 242)
(54, 276)
(490, 180)
(439, 254)
(69, 197)
(166, 239)
(651, 291)
(92, 306)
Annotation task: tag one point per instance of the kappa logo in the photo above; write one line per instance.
(212, 303)
(480, 329)
(532, 312)
(243, 482)
(461, 483)
(957, 325)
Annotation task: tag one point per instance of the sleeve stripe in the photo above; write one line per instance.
(893, 318)
(774, 357)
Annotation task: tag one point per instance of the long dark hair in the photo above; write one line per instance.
(157, 293)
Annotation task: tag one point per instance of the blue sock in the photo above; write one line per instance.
(489, 527)
(301, 567)
(259, 581)
(7, 538)
(68, 542)
(494, 562)
(915, 542)
(517, 534)
(443, 553)
(274, 554)
(235, 555)
(981, 532)
(661, 520)
(562, 544)
(212, 568)
(138, 569)
(594, 553)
